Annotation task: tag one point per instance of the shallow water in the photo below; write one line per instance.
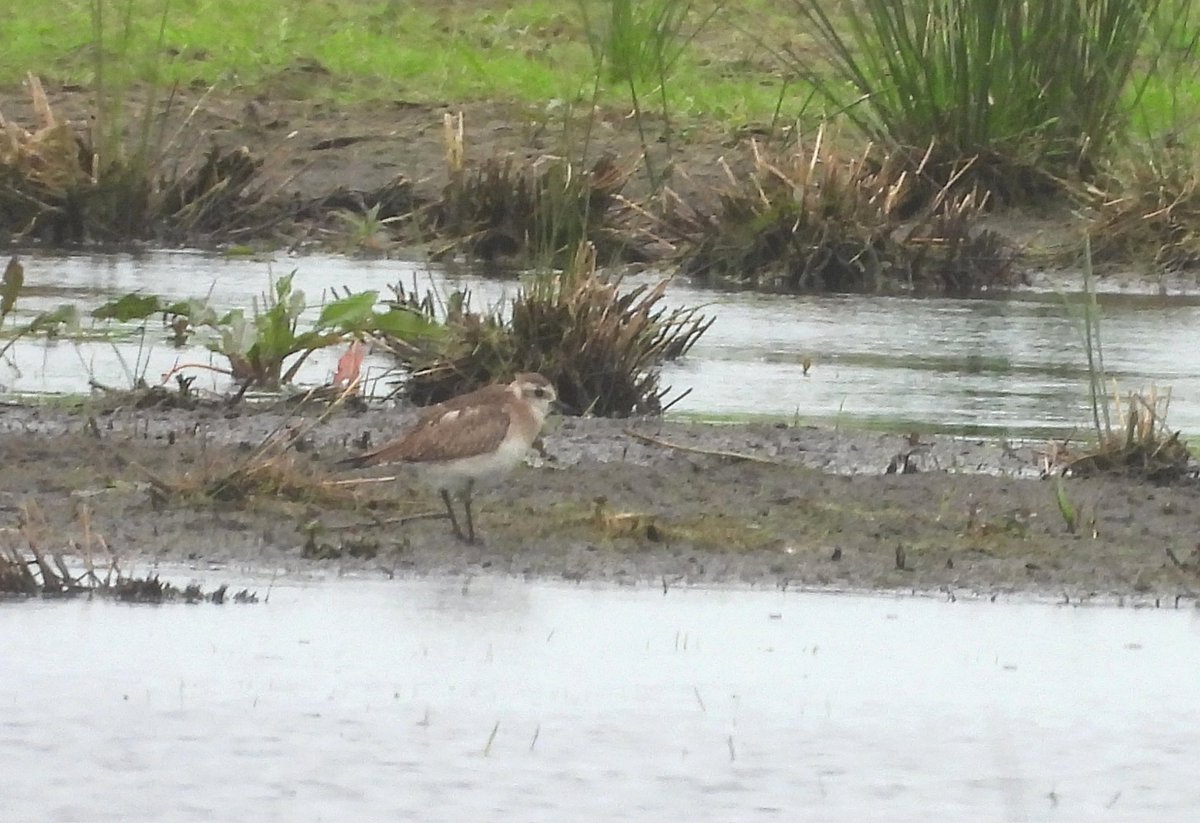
(502, 700)
(1011, 366)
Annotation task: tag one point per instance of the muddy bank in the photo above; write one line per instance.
(814, 510)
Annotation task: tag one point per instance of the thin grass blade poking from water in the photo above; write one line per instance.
(1035, 91)
(1088, 314)
(1140, 443)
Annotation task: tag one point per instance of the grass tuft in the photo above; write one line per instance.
(1033, 92)
(65, 184)
(1151, 210)
(600, 344)
(816, 221)
(533, 214)
(1139, 443)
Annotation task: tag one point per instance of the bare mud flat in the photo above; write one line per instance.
(814, 509)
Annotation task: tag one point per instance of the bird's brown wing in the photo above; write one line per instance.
(447, 433)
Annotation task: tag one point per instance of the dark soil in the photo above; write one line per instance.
(815, 510)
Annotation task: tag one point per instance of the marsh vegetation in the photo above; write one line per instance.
(931, 115)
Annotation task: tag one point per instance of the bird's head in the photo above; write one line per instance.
(537, 391)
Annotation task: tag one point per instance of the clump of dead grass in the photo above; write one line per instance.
(273, 470)
(56, 186)
(270, 471)
(1151, 209)
(29, 568)
(270, 474)
(1139, 445)
(817, 221)
(602, 345)
(527, 212)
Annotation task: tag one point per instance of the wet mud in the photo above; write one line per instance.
(645, 502)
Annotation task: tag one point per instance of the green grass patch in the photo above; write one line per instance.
(1033, 92)
(355, 50)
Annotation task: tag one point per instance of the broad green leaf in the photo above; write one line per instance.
(317, 340)
(405, 324)
(283, 286)
(295, 304)
(351, 312)
(65, 315)
(129, 307)
(238, 335)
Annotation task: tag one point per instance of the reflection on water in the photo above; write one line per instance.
(498, 700)
(993, 365)
(1013, 366)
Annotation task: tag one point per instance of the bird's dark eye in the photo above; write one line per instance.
(539, 392)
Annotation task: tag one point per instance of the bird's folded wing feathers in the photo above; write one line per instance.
(453, 434)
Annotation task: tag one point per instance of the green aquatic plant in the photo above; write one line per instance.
(266, 345)
(61, 320)
(10, 287)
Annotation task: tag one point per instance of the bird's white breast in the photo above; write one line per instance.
(452, 475)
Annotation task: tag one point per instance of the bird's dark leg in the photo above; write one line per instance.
(467, 507)
(454, 520)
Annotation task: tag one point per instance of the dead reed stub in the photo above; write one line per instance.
(56, 186)
(1140, 446)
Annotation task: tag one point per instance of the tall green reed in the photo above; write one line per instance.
(1165, 110)
(126, 147)
(1031, 90)
(638, 44)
